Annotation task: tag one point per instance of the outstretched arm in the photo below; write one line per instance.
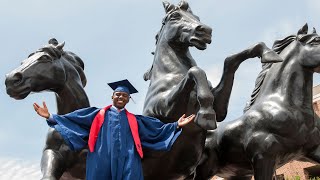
(74, 127)
(42, 111)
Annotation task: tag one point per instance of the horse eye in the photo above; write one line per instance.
(175, 16)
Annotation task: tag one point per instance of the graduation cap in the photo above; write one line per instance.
(123, 86)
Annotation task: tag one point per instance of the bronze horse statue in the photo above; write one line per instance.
(178, 85)
(52, 69)
(279, 124)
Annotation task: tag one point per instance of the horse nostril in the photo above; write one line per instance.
(200, 28)
(15, 79)
(204, 29)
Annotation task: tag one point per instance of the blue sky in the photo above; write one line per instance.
(115, 40)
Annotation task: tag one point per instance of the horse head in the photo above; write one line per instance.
(181, 28)
(303, 46)
(49, 68)
(310, 54)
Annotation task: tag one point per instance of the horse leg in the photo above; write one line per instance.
(222, 91)
(49, 162)
(208, 165)
(205, 117)
(263, 167)
(53, 163)
(314, 155)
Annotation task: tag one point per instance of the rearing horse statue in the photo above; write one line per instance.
(53, 69)
(279, 124)
(178, 85)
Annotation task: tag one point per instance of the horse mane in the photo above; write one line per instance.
(278, 47)
(77, 62)
(56, 51)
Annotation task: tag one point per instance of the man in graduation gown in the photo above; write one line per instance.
(114, 135)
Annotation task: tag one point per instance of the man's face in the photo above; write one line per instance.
(120, 99)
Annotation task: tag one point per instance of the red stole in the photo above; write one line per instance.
(98, 121)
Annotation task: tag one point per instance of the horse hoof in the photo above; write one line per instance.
(270, 57)
(206, 121)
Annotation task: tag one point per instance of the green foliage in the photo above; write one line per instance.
(314, 178)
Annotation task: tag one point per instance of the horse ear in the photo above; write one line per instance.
(303, 30)
(314, 31)
(167, 6)
(60, 46)
(183, 5)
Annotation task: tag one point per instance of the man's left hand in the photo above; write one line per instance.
(183, 120)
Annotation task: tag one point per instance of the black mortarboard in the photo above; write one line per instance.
(123, 86)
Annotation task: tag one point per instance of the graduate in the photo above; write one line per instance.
(115, 137)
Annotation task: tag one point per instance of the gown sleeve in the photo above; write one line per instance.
(74, 127)
(157, 135)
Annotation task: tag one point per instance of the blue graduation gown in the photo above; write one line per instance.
(115, 156)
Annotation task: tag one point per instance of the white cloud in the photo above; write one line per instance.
(15, 169)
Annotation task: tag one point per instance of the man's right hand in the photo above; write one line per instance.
(42, 111)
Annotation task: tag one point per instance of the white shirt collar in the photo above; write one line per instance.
(115, 108)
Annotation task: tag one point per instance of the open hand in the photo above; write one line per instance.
(42, 111)
(183, 120)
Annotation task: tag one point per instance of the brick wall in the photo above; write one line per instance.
(295, 169)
